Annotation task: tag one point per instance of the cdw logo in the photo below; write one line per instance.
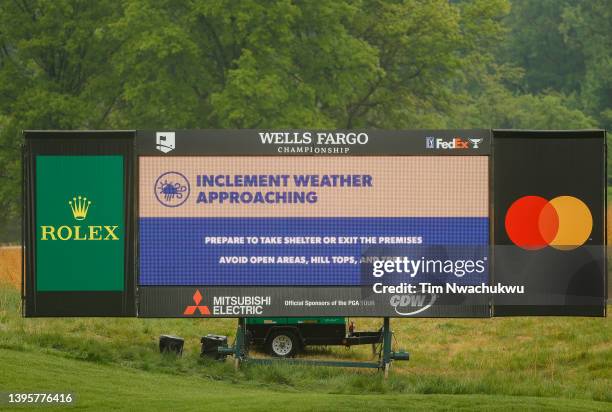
(191, 309)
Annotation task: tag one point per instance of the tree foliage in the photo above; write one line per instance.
(80, 64)
(564, 47)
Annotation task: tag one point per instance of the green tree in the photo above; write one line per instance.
(537, 44)
(70, 64)
(587, 27)
(565, 49)
(255, 63)
(54, 74)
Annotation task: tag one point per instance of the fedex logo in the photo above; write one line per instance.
(454, 143)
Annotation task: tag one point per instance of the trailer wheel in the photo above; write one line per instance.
(282, 344)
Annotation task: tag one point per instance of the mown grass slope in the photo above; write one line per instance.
(531, 362)
(106, 387)
(554, 363)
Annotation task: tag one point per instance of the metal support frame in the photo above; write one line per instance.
(386, 356)
(240, 353)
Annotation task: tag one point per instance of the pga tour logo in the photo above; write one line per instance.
(452, 144)
(165, 141)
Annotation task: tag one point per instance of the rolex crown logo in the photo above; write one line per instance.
(79, 206)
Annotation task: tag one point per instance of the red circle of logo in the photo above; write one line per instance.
(564, 223)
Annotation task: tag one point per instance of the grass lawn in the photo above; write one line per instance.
(487, 364)
(113, 387)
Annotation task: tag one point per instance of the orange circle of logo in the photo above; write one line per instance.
(563, 223)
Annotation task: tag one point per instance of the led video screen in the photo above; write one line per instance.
(312, 221)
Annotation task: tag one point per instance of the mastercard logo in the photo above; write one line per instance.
(563, 223)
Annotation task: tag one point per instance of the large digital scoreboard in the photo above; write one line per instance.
(256, 223)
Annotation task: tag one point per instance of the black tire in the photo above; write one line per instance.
(282, 344)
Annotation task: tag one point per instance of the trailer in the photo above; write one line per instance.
(286, 337)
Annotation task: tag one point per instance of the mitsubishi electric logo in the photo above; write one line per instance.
(227, 305)
(197, 299)
(79, 206)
